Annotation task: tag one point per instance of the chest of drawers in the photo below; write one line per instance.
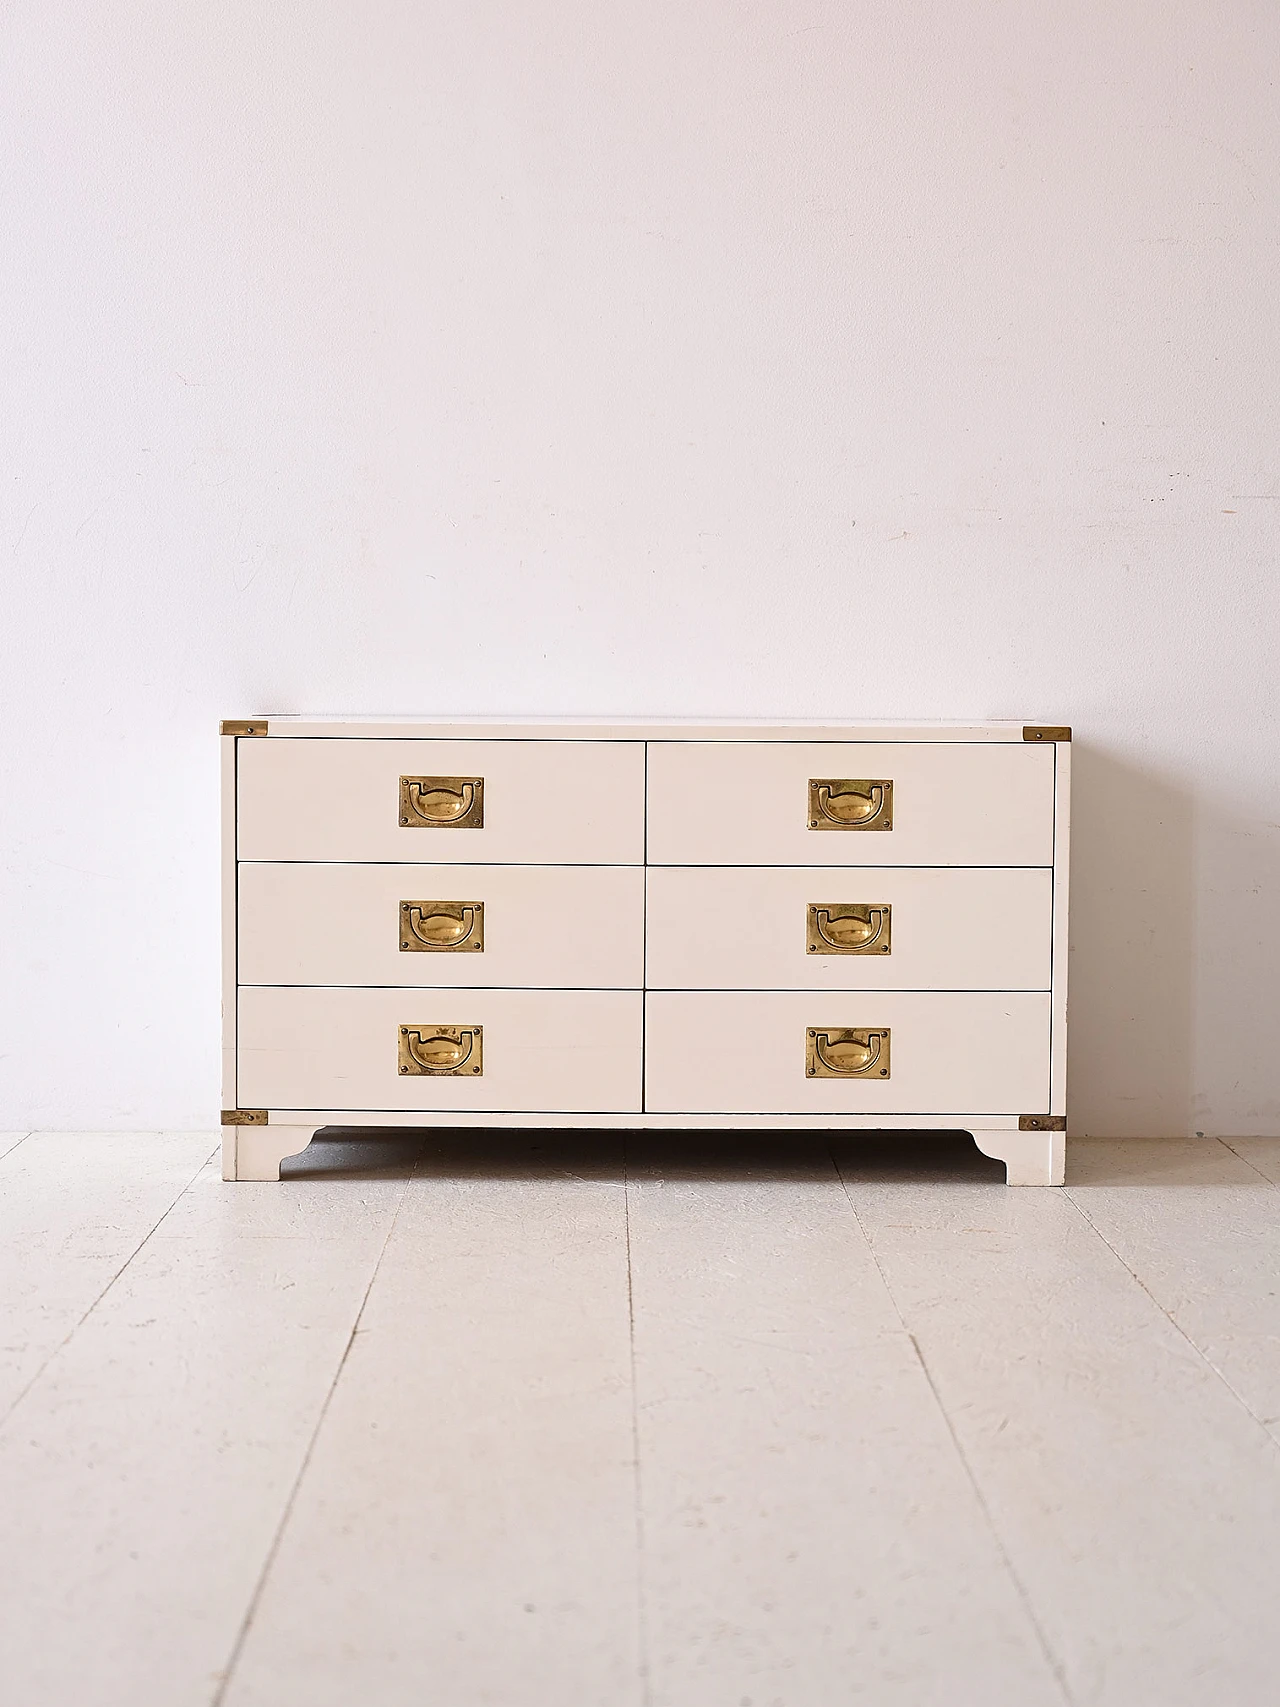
(635, 925)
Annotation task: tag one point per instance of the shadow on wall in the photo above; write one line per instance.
(1173, 972)
(1133, 946)
(1236, 990)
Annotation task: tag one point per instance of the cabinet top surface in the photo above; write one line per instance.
(630, 729)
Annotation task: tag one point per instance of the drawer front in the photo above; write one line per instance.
(829, 928)
(483, 1051)
(785, 1052)
(859, 803)
(503, 926)
(441, 802)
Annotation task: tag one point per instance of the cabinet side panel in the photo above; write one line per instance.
(1061, 887)
(228, 743)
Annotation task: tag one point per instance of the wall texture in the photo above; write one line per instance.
(906, 358)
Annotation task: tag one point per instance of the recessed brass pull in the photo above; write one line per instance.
(442, 927)
(441, 1050)
(850, 803)
(857, 1054)
(848, 928)
(442, 802)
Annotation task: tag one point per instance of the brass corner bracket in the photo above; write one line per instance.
(244, 1117)
(1042, 1123)
(257, 727)
(1046, 732)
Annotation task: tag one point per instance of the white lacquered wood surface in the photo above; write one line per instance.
(578, 803)
(631, 729)
(965, 866)
(576, 1050)
(745, 928)
(544, 926)
(1061, 924)
(682, 1425)
(735, 803)
(744, 1051)
(684, 1120)
(227, 756)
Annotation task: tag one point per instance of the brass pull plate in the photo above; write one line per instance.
(840, 927)
(442, 1051)
(442, 802)
(850, 803)
(839, 1054)
(442, 927)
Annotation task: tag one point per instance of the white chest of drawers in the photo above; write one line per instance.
(635, 925)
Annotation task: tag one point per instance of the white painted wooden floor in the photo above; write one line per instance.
(659, 1422)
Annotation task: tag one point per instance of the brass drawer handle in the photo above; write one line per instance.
(858, 1054)
(442, 927)
(850, 803)
(848, 928)
(442, 802)
(441, 1050)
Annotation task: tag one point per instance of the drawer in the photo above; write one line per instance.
(827, 928)
(564, 1051)
(469, 925)
(751, 803)
(749, 1052)
(441, 802)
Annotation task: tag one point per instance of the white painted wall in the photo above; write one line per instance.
(911, 358)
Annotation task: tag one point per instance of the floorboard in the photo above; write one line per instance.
(74, 1207)
(145, 1474)
(662, 1421)
(1136, 1498)
(465, 1532)
(1260, 1153)
(1199, 1228)
(810, 1532)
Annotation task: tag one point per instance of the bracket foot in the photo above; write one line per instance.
(1030, 1158)
(256, 1152)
